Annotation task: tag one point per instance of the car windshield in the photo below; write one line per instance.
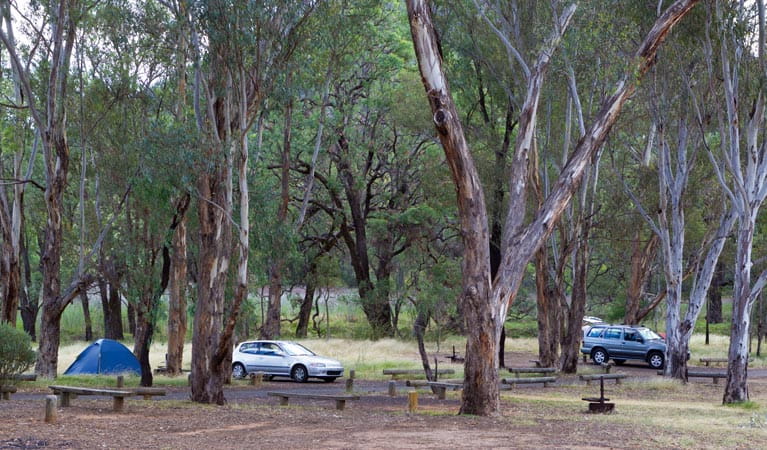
(293, 349)
(648, 334)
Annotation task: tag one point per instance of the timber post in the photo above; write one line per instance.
(120, 381)
(350, 381)
(412, 401)
(50, 408)
(392, 388)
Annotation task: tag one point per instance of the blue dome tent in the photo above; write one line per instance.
(104, 357)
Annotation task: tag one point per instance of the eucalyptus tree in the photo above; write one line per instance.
(675, 163)
(12, 207)
(179, 34)
(356, 190)
(238, 56)
(741, 162)
(48, 112)
(487, 300)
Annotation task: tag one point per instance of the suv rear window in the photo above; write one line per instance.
(595, 332)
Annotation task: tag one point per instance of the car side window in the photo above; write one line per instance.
(251, 348)
(612, 333)
(630, 336)
(595, 332)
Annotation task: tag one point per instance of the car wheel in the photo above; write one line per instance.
(655, 360)
(599, 356)
(619, 362)
(328, 379)
(238, 370)
(299, 374)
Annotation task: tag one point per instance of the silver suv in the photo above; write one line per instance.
(621, 342)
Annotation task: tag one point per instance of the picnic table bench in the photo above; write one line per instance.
(536, 370)
(65, 393)
(531, 380)
(339, 399)
(599, 404)
(6, 390)
(708, 361)
(24, 377)
(395, 372)
(603, 376)
(147, 392)
(715, 376)
(422, 383)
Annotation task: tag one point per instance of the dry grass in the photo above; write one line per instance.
(368, 358)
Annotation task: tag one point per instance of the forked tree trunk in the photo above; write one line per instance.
(485, 306)
(745, 184)
(480, 390)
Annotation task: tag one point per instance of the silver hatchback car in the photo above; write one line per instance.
(283, 358)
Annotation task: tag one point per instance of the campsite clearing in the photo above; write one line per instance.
(650, 412)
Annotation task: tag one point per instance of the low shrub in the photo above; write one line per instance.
(16, 354)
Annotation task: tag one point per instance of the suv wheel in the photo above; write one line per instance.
(655, 359)
(599, 356)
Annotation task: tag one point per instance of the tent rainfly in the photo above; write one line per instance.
(104, 357)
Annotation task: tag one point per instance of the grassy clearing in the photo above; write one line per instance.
(369, 358)
(663, 413)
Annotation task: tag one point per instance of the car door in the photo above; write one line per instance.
(274, 360)
(612, 338)
(633, 345)
(250, 357)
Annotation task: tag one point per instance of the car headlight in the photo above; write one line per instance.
(317, 365)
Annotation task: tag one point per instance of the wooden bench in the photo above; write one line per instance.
(545, 380)
(715, 376)
(6, 390)
(339, 399)
(147, 392)
(24, 377)
(535, 370)
(441, 387)
(395, 372)
(423, 383)
(708, 361)
(65, 394)
(603, 376)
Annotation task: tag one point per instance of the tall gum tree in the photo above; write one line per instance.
(237, 56)
(485, 300)
(741, 164)
(49, 116)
